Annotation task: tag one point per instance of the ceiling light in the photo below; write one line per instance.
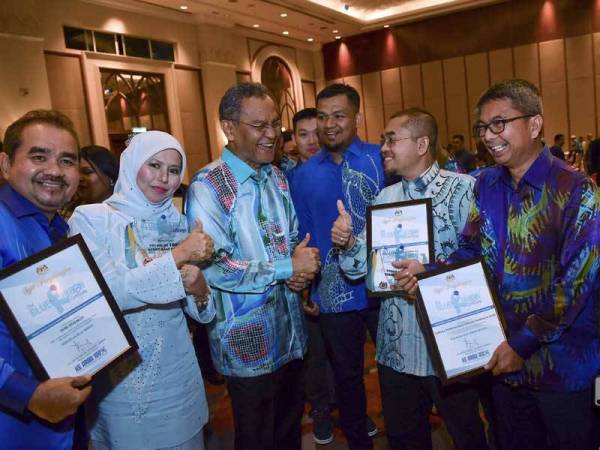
(338, 37)
(386, 26)
(283, 14)
(183, 7)
(256, 25)
(335, 31)
(286, 32)
(310, 39)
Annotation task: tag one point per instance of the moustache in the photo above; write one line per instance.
(50, 179)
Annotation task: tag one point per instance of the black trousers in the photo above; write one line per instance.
(407, 401)
(319, 384)
(267, 409)
(535, 420)
(345, 335)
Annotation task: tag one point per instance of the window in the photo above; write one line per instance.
(118, 44)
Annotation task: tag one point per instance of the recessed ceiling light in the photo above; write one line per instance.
(183, 7)
(283, 14)
(310, 39)
(286, 32)
(338, 37)
(386, 26)
(256, 25)
(335, 31)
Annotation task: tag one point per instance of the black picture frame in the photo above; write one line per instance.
(425, 203)
(427, 329)
(17, 331)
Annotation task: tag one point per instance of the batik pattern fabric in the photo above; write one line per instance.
(401, 344)
(251, 218)
(540, 240)
(317, 185)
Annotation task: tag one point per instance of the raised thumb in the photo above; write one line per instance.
(199, 227)
(341, 208)
(305, 241)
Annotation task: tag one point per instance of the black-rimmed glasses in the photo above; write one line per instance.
(496, 126)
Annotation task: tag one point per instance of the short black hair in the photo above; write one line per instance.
(460, 137)
(341, 89)
(420, 122)
(14, 132)
(557, 137)
(523, 95)
(303, 114)
(231, 102)
(102, 159)
(286, 135)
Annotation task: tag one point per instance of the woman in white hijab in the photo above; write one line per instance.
(154, 399)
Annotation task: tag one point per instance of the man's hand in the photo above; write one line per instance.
(341, 231)
(305, 260)
(198, 247)
(310, 308)
(504, 360)
(405, 276)
(58, 398)
(193, 280)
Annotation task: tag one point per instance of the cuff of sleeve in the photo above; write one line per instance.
(354, 250)
(17, 391)
(524, 342)
(283, 269)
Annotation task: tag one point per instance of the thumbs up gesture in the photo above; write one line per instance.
(305, 260)
(197, 248)
(341, 231)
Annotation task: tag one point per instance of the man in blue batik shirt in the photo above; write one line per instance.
(257, 338)
(41, 166)
(350, 170)
(409, 385)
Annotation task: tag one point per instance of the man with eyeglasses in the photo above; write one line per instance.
(257, 338)
(407, 380)
(349, 170)
(536, 223)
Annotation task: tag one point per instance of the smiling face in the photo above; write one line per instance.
(45, 167)
(252, 145)
(307, 138)
(160, 176)
(337, 122)
(518, 145)
(402, 152)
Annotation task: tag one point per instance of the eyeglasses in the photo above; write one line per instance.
(261, 127)
(496, 126)
(391, 139)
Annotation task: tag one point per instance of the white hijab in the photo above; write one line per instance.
(127, 198)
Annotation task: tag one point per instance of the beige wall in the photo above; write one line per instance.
(566, 70)
(23, 79)
(31, 39)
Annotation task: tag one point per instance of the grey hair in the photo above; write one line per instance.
(231, 103)
(523, 96)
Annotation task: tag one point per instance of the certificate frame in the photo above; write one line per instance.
(12, 310)
(474, 366)
(380, 283)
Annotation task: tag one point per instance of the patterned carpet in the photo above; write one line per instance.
(220, 429)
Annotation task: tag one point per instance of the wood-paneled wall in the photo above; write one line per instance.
(566, 70)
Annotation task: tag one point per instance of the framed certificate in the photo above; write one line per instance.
(460, 318)
(61, 312)
(397, 231)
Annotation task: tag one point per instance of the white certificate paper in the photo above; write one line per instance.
(400, 231)
(463, 318)
(64, 315)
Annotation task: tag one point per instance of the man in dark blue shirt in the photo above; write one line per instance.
(349, 170)
(41, 166)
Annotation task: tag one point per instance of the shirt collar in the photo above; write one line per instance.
(355, 148)
(422, 181)
(22, 207)
(242, 171)
(535, 175)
